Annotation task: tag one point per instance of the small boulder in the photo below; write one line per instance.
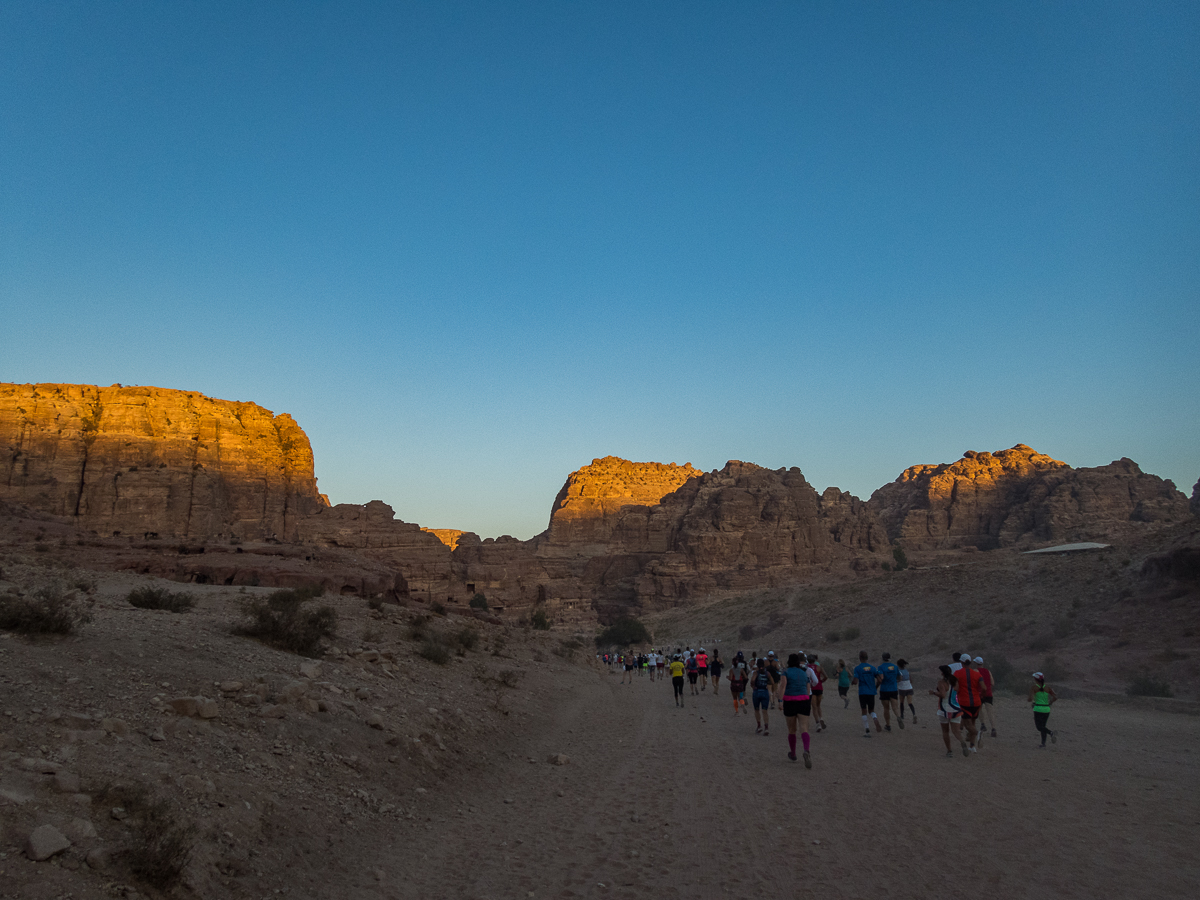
(184, 706)
(78, 830)
(230, 687)
(375, 721)
(309, 705)
(98, 859)
(311, 669)
(207, 709)
(115, 726)
(44, 842)
(273, 711)
(293, 691)
(558, 759)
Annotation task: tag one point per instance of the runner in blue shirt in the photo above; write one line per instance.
(866, 676)
(889, 691)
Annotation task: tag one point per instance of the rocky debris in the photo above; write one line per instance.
(98, 858)
(311, 669)
(114, 726)
(44, 842)
(558, 759)
(145, 460)
(1019, 496)
(194, 707)
(79, 830)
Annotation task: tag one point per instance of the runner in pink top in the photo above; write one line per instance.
(702, 668)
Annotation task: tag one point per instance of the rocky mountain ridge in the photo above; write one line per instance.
(623, 536)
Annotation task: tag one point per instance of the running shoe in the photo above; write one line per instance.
(791, 756)
(914, 718)
(887, 727)
(758, 729)
(1053, 738)
(974, 749)
(901, 724)
(949, 752)
(766, 734)
(993, 731)
(807, 760)
(965, 751)
(979, 739)
(867, 733)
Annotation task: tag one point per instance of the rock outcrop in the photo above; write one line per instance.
(141, 460)
(615, 547)
(1019, 496)
(1195, 504)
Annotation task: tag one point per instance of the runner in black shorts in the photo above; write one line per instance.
(714, 669)
(795, 696)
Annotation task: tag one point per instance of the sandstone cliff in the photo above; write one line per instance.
(1019, 496)
(615, 546)
(1195, 504)
(145, 459)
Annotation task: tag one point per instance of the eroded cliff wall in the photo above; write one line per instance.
(146, 459)
(1019, 496)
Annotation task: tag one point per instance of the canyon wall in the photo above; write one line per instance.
(1019, 496)
(615, 546)
(148, 460)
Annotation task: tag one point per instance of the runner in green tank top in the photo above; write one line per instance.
(1042, 696)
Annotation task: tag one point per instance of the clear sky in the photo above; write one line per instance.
(472, 246)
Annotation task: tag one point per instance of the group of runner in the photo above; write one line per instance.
(964, 692)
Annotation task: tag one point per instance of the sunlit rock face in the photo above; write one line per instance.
(633, 537)
(448, 536)
(1019, 496)
(145, 459)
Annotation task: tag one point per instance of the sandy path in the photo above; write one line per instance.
(679, 803)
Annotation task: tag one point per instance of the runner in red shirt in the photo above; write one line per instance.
(969, 690)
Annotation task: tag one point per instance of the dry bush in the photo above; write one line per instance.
(162, 842)
(283, 621)
(47, 610)
(161, 598)
(434, 649)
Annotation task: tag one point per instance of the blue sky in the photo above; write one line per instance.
(472, 246)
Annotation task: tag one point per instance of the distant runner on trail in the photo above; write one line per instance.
(867, 679)
(889, 691)
(761, 685)
(702, 668)
(628, 670)
(693, 671)
(843, 677)
(1042, 696)
(906, 692)
(948, 713)
(795, 696)
(818, 690)
(988, 712)
(714, 669)
(676, 670)
(739, 675)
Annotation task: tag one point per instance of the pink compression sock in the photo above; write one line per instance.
(804, 737)
(792, 743)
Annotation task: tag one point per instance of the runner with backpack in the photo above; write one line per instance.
(702, 668)
(818, 690)
(693, 672)
(739, 675)
(867, 679)
(714, 670)
(969, 691)
(795, 697)
(889, 691)
(843, 677)
(948, 712)
(761, 685)
(906, 692)
(1042, 696)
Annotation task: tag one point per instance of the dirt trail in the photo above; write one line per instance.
(664, 802)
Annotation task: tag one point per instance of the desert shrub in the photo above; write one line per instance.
(852, 633)
(84, 584)
(437, 608)
(467, 638)
(283, 621)
(900, 557)
(47, 610)
(832, 637)
(1148, 686)
(161, 598)
(510, 677)
(622, 633)
(162, 842)
(434, 649)
(566, 649)
(887, 567)
(539, 620)
(479, 601)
